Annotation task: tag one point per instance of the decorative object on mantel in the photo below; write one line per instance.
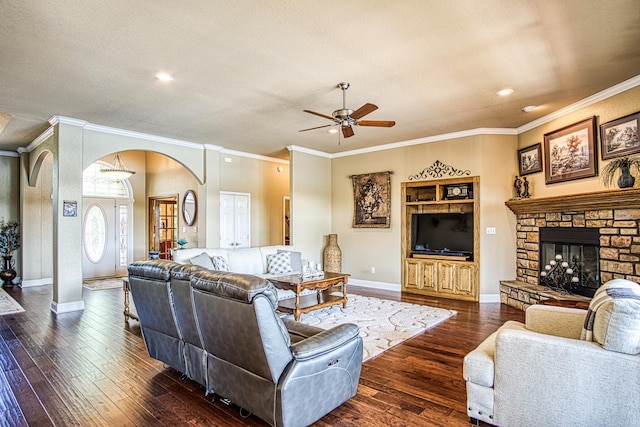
(181, 242)
(625, 163)
(525, 184)
(620, 137)
(9, 243)
(570, 152)
(438, 170)
(332, 256)
(372, 200)
(517, 187)
(530, 159)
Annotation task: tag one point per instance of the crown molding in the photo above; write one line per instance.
(309, 151)
(9, 154)
(597, 97)
(253, 156)
(39, 139)
(428, 139)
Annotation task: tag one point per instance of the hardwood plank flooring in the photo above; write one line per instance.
(91, 368)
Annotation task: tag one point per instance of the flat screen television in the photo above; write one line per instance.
(442, 234)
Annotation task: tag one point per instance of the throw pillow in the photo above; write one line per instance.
(279, 263)
(220, 263)
(296, 259)
(613, 318)
(203, 260)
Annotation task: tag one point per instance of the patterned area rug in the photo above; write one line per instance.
(8, 305)
(100, 284)
(383, 323)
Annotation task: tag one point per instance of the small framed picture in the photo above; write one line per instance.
(69, 208)
(620, 137)
(530, 159)
(570, 152)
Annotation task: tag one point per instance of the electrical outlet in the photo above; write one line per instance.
(373, 270)
(491, 230)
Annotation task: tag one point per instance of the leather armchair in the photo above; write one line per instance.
(284, 372)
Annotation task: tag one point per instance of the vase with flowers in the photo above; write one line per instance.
(9, 243)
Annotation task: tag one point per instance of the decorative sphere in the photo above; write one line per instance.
(543, 273)
(552, 262)
(547, 267)
(565, 264)
(558, 256)
(575, 279)
(569, 270)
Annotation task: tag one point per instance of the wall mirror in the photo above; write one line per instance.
(189, 207)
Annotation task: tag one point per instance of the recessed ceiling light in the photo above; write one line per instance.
(333, 130)
(504, 92)
(528, 108)
(165, 77)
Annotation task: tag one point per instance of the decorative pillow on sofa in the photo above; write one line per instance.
(220, 263)
(279, 263)
(203, 260)
(613, 319)
(296, 259)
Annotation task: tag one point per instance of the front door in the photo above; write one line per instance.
(100, 234)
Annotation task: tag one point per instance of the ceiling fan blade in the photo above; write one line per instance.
(377, 123)
(318, 114)
(347, 131)
(317, 127)
(363, 111)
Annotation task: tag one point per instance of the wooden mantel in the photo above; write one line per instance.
(608, 199)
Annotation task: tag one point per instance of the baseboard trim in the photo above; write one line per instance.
(36, 282)
(376, 285)
(66, 307)
(489, 298)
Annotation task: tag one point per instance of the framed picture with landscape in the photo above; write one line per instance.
(620, 137)
(530, 159)
(570, 152)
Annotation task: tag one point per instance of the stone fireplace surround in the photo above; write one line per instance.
(616, 213)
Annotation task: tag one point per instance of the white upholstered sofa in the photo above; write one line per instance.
(254, 261)
(542, 373)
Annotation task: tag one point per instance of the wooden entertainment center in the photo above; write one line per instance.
(444, 272)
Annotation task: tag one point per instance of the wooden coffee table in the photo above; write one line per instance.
(314, 301)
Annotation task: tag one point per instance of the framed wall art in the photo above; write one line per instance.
(620, 137)
(372, 200)
(530, 159)
(570, 152)
(69, 208)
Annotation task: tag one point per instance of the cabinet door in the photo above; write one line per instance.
(464, 278)
(430, 275)
(446, 276)
(412, 275)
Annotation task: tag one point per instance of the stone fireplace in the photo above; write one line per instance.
(613, 217)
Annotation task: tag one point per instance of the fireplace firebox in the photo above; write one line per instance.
(570, 259)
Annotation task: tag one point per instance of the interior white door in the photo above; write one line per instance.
(99, 237)
(235, 220)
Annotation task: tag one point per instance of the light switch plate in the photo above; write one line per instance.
(491, 230)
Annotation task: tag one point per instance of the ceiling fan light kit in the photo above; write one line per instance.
(347, 118)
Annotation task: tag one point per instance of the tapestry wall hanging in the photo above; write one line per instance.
(372, 200)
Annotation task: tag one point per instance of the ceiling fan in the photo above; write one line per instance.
(346, 118)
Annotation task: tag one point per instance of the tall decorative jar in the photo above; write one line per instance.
(332, 255)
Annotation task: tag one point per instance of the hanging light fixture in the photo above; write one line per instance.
(117, 170)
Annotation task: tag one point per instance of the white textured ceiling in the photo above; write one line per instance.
(244, 70)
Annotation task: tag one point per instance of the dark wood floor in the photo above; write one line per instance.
(89, 368)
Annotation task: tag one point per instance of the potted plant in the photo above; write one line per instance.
(625, 164)
(9, 242)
